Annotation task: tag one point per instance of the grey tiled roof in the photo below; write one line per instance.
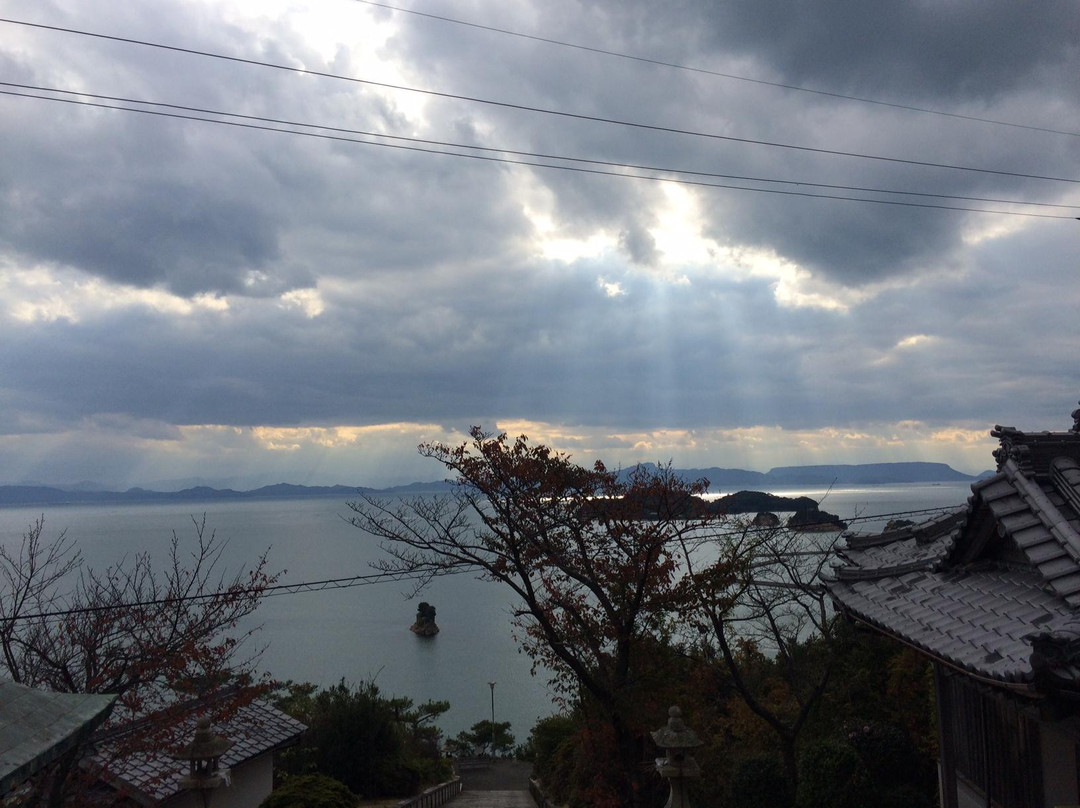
(1038, 516)
(255, 729)
(894, 552)
(976, 619)
(992, 588)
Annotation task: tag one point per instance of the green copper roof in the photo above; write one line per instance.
(37, 726)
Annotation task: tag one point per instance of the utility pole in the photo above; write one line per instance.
(492, 686)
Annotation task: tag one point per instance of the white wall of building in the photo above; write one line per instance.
(249, 784)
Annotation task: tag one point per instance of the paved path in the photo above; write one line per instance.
(493, 799)
(498, 784)
(497, 775)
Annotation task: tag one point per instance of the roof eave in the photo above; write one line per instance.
(1026, 687)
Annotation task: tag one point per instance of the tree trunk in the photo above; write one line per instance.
(628, 756)
(791, 763)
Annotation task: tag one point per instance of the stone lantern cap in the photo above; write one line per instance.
(206, 746)
(676, 735)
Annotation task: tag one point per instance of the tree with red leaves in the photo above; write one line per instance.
(591, 557)
(151, 637)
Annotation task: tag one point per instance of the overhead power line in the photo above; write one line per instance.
(547, 111)
(703, 71)
(268, 591)
(519, 153)
(245, 124)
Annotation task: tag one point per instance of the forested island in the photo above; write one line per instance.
(805, 514)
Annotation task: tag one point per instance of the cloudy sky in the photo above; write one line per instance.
(306, 293)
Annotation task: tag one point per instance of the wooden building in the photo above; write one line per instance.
(991, 595)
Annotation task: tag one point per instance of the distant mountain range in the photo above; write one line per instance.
(719, 480)
(12, 495)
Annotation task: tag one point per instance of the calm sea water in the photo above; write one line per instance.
(362, 633)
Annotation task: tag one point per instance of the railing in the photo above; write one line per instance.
(539, 797)
(470, 763)
(435, 796)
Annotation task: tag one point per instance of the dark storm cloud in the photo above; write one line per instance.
(242, 196)
(195, 207)
(154, 232)
(126, 198)
(957, 51)
(639, 245)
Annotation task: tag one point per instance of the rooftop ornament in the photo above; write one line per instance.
(204, 759)
(678, 765)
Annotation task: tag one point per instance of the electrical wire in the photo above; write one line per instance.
(717, 73)
(515, 152)
(544, 110)
(268, 591)
(535, 164)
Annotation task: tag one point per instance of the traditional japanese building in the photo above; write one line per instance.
(155, 779)
(991, 595)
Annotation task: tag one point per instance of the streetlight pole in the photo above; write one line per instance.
(492, 686)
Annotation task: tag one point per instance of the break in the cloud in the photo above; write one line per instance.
(183, 299)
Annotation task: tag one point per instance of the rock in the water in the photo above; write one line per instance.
(425, 621)
(813, 520)
(766, 519)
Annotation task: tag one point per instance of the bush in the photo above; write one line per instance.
(546, 736)
(907, 796)
(311, 791)
(358, 737)
(832, 775)
(760, 782)
(482, 739)
(885, 752)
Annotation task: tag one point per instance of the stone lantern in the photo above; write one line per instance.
(678, 765)
(204, 758)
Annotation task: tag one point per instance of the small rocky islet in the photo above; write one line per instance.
(425, 625)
